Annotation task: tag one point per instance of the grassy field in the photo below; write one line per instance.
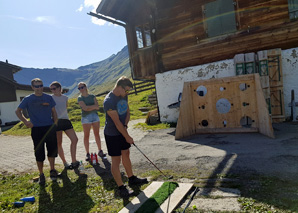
(74, 112)
(97, 193)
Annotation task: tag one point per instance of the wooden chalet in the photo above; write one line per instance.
(12, 93)
(165, 35)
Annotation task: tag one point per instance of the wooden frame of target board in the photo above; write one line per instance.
(224, 105)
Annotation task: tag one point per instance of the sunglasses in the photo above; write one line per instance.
(54, 88)
(126, 91)
(82, 87)
(38, 86)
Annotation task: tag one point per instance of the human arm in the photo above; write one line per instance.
(121, 128)
(89, 107)
(127, 117)
(20, 115)
(54, 115)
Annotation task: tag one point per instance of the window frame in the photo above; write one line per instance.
(143, 36)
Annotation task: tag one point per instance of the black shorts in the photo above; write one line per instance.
(115, 144)
(63, 125)
(44, 135)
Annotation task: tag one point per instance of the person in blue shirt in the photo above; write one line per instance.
(117, 138)
(43, 116)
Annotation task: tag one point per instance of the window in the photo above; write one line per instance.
(143, 36)
(220, 17)
(293, 9)
(139, 37)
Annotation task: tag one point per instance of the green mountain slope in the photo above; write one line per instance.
(99, 76)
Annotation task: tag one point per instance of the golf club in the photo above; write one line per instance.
(193, 195)
(170, 177)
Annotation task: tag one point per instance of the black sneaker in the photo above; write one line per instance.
(53, 174)
(134, 180)
(101, 154)
(67, 166)
(124, 192)
(75, 165)
(42, 179)
(88, 157)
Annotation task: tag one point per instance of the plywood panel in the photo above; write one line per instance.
(186, 127)
(233, 104)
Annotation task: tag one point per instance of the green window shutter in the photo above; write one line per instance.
(220, 17)
(293, 9)
(228, 16)
(213, 23)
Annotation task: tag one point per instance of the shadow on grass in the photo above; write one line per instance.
(71, 197)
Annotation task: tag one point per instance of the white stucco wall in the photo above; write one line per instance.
(170, 84)
(290, 76)
(7, 110)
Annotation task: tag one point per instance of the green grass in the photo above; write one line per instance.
(71, 193)
(74, 112)
(98, 193)
(152, 204)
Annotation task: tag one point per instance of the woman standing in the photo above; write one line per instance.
(65, 125)
(89, 106)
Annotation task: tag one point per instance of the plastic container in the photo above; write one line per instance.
(96, 159)
(18, 204)
(81, 167)
(93, 160)
(28, 199)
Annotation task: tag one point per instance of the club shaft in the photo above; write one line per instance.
(150, 161)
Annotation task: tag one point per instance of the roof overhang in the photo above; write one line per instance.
(14, 68)
(116, 9)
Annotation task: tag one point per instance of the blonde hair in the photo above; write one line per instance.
(36, 80)
(82, 83)
(123, 81)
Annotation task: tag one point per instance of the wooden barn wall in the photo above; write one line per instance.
(182, 41)
(144, 60)
(9, 94)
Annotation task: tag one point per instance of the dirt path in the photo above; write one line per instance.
(16, 153)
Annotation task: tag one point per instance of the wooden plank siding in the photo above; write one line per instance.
(262, 25)
(180, 37)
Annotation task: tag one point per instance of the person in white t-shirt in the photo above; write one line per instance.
(64, 124)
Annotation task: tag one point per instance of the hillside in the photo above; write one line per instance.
(99, 76)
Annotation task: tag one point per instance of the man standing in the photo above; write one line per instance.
(117, 138)
(42, 114)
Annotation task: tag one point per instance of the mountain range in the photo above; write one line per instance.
(99, 76)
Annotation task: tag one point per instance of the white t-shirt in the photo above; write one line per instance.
(61, 106)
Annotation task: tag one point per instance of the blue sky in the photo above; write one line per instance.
(56, 33)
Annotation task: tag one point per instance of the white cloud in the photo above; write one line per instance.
(93, 4)
(98, 21)
(80, 8)
(45, 19)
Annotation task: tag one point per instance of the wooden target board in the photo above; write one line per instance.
(224, 105)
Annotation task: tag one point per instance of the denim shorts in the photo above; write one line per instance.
(90, 118)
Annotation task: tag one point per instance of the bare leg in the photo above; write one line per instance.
(115, 169)
(126, 162)
(60, 148)
(40, 166)
(86, 128)
(52, 162)
(73, 146)
(96, 127)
